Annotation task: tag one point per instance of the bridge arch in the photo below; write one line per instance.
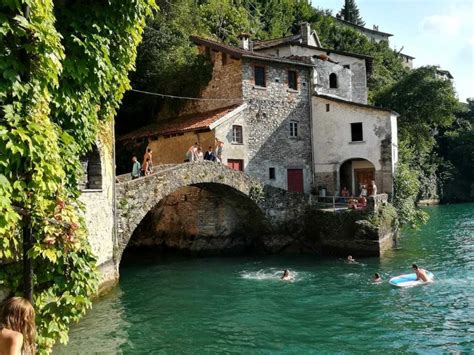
(136, 199)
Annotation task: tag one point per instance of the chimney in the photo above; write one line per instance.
(376, 28)
(305, 30)
(245, 42)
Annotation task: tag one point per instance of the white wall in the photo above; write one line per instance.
(333, 142)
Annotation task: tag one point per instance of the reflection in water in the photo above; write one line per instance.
(102, 330)
(237, 305)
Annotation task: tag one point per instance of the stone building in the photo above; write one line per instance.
(372, 33)
(98, 197)
(267, 102)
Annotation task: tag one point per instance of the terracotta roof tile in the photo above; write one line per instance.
(187, 123)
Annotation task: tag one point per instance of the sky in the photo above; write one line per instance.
(435, 32)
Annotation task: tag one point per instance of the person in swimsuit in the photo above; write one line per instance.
(286, 276)
(420, 273)
(377, 277)
(17, 327)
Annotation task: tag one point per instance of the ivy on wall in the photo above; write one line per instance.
(64, 69)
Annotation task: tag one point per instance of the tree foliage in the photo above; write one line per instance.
(425, 103)
(350, 11)
(64, 70)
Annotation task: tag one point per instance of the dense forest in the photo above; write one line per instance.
(435, 130)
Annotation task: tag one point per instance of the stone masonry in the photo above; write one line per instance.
(271, 109)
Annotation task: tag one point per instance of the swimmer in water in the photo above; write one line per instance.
(377, 277)
(286, 276)
(420, 273)
(351, 260)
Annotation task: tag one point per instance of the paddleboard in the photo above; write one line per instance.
(408, 280)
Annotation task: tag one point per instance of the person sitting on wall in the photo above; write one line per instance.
(361, 202)
(352, 203)
(363, 190)
(210, 155)
(344, 194)
(374, 188)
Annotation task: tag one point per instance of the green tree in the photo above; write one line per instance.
(351, 13)
(65, 69)
(425, 103)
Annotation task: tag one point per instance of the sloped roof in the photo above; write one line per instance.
(241, 53)
(297, 40)
(341, 100)
(186, 123)
(362, 28)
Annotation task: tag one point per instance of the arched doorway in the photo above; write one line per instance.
(354, 173)
(200, 219)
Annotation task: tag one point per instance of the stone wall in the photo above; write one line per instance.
(136, 198)
(269, 113)
(207, 219)
(226, 82)
(357, 67)
(100, 208)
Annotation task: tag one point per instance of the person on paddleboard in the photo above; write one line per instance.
(420, 273)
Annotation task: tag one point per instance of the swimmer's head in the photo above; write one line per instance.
(286, 273)
(415, 267)
(376, 275)
(349, 257)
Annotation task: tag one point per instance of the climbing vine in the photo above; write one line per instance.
(64, 69)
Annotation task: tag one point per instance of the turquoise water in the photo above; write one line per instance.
(238, 304)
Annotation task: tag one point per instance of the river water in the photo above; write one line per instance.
(238, 304)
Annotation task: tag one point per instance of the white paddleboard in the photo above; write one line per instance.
(408, 280)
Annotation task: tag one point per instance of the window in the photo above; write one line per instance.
(347, 66)
(260, 76)
(237, 136)
(236, 164)
(328, 107)
(224, 59)
(271, 173)
(208, 52)
(92, 171)
(356, 132)
(293, 129)
(333, 81)
(292, 80)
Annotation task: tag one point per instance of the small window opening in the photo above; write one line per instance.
(328, 107)
(293, 129)
(271, 173)
(92, 168)
(224, 59)
(237, 136)
(260, 76)
(333, 81)
(356, 132)
(292, 80)
(347, 66)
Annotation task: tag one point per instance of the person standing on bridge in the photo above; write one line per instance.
(219, 150)
(199, 155)
(148, 155)
(135, 168)
(210, 155)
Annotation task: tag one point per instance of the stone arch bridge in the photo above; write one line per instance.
(136, 198)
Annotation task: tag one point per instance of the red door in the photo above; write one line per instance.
(236, 164)
(295, 180)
